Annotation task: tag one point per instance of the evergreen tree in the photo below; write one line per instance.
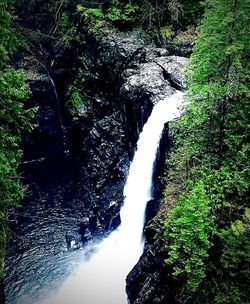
(212, 148)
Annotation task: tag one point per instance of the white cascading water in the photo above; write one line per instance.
(101, 280)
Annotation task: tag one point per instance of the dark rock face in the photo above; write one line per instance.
(149, 281)
(2, 294)
(46, 139)
(75, 169)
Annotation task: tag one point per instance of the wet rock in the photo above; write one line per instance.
(73, 242)
(2, 294)
(151, 210)
(183, 49)
(150, 281)
(149, 77)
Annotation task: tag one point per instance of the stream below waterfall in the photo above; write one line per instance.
(99, 269)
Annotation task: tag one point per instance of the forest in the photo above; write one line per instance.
(203, 220)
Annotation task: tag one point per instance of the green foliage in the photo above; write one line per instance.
(77, 104)
(188, 228)
(93, 16)
(212, 150)
(226, 38)
(117, 12)
(122, 11)
(14, 119)
(234, 260)
(236, 245)
(48, 27)
(164, 19)
(230, 270)
(67, 32)
(94, 12)
(192, 12)
(82, 79)
(7, 38)
(42, 15)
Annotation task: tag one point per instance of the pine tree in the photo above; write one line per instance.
(212, 148)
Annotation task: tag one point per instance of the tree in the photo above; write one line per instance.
(211, 147)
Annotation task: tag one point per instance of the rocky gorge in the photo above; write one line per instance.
(75, 167)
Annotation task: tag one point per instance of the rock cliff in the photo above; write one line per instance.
(75, 168)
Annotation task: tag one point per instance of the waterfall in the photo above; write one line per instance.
(101, 280)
